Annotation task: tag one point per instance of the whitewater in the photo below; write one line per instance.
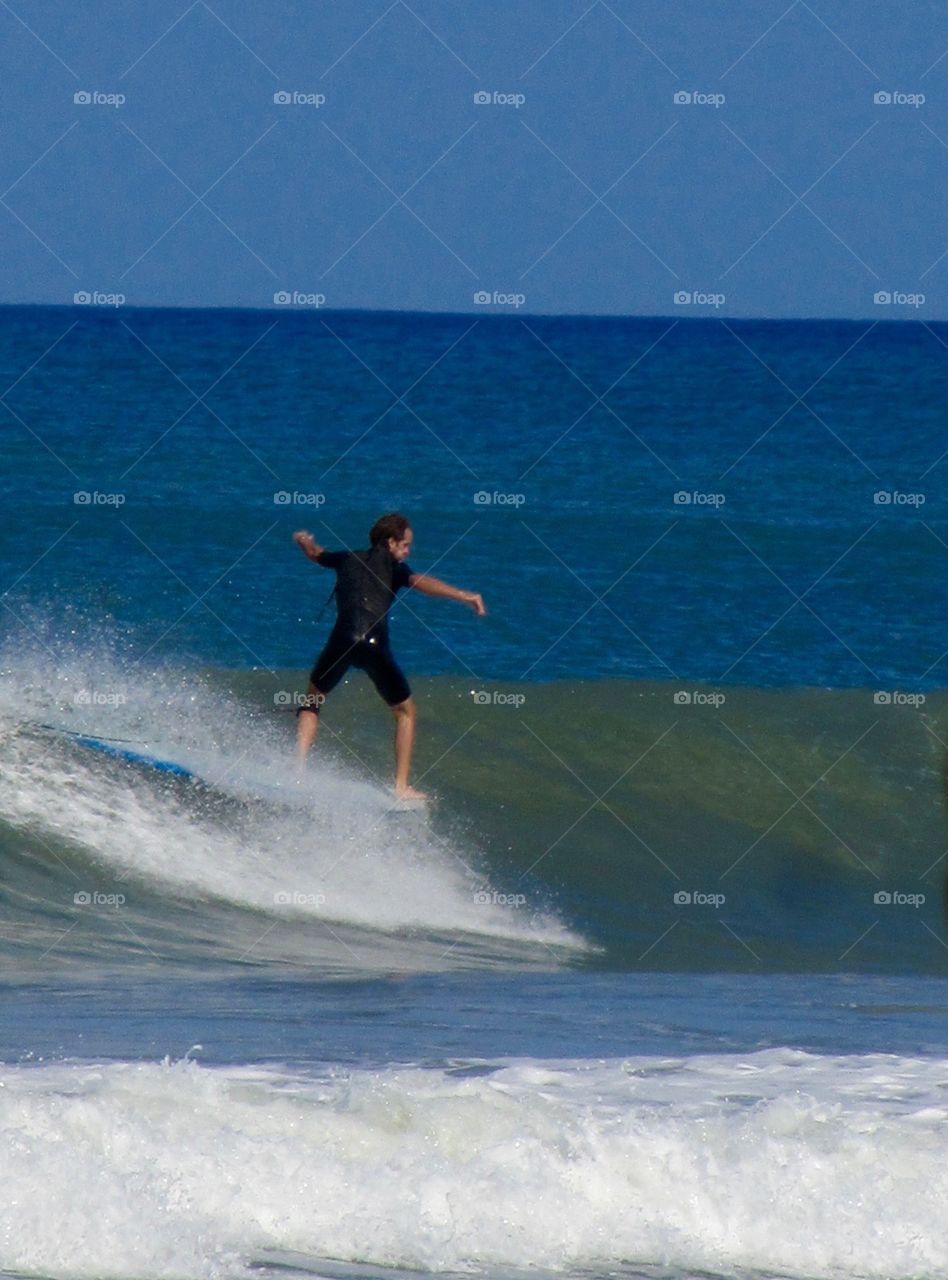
(774, 1162)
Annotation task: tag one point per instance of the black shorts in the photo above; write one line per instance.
(372, 655)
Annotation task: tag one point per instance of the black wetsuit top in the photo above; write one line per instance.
(366, 585)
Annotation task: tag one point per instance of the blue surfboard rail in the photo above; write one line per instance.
(123, 750)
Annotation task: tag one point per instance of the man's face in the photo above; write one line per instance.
(401, 547)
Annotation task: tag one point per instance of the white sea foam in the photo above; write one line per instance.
(777, 1161)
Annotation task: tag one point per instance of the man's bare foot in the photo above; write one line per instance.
(409, 793)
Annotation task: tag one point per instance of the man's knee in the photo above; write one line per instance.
(403, 710)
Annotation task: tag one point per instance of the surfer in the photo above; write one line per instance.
(366, 585)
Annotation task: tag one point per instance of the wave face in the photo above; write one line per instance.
(687, 827)
(107, 861)
(779, 1161)
(597, 822)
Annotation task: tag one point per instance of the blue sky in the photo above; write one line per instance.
(780, 183)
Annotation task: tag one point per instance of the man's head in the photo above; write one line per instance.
(393, 532)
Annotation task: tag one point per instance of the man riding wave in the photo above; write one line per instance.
(367, 583)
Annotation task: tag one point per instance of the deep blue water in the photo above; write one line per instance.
(439, 1018)
(783, 569)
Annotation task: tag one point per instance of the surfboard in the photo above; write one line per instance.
(122, 750)
(399, 805)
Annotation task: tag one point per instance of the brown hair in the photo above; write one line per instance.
(392, 525)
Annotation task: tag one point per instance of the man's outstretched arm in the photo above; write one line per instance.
(306, 543)
(429, 586)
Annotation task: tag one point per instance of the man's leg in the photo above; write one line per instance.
(328, 670)
(404, 714)
(380, 666)
(307, 724)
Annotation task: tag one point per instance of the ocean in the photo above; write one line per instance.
(657, 987)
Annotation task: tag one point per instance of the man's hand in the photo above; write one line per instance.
(306, 543)
(476, 603)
